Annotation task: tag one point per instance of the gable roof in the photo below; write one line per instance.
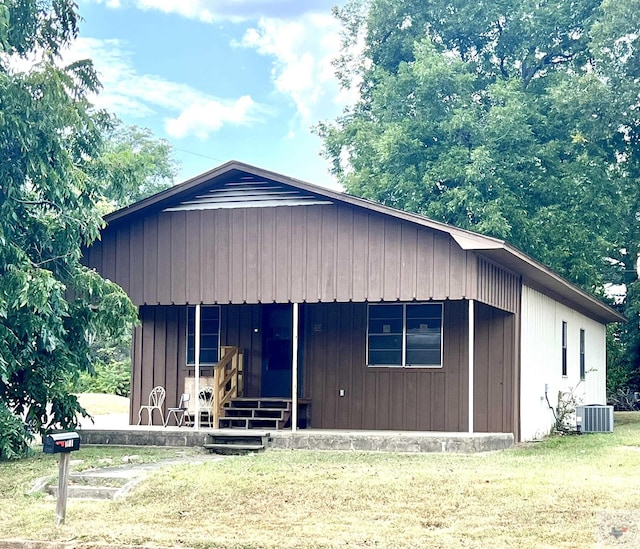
(239, 185)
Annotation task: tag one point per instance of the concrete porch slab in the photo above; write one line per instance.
(308, 439)
(391, 441)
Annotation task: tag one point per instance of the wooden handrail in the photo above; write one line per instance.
(228, 379)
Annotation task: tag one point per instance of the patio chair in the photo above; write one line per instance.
(206, 404)
(156, 401)
(179, 411)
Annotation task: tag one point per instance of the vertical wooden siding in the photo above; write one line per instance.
(241, 326)
(158, 355)
(381, 398)
(282, 254)
(494, 371)
(159, 350)
(497, 287)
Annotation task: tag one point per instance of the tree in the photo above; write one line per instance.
(132, 165)
(51, 306)
(616, 42)
(514, 119)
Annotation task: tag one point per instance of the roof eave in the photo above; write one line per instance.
(535, 273)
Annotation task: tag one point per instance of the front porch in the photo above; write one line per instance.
(323, 363)
(222, 402)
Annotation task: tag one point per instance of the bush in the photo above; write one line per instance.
(113, 378)
(14, 435)
(564, 413)
(624, 399)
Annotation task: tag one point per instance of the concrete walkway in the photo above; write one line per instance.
(131, 474)
(92, 483)
(116, 481)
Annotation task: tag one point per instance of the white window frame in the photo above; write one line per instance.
(202, 307)
(404, 336)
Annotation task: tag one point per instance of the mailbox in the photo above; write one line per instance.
(59, 443)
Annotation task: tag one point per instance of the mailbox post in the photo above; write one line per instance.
(63, 444)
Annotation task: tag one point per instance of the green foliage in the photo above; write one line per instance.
(618, 371)
(111, 372)
(14, 435)
(132, 165)
(112, 378)
(519, 120)
(51, 306)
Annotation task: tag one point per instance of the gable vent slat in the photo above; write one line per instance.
(249, 194)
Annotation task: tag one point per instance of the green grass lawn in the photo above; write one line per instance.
(547, 494)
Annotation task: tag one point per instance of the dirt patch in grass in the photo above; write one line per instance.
(544, 495)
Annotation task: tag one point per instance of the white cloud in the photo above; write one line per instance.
(300, 37)
(186, 110)
(302, 50)
(210, 116)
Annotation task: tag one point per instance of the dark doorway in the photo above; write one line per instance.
(277, 352)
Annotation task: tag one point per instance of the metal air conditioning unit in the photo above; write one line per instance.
(594, 418)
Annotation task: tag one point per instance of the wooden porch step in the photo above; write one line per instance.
(271, 403)
(260, 413)
(276, 413)
(261, 423)
(252, 423)
(233, 423)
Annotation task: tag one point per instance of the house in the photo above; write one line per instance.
(360, 315)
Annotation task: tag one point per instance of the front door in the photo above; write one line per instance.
(277, 341)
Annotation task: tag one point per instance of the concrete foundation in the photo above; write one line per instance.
(392, 441)
(310, 439)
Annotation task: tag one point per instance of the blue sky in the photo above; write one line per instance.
(220, 79)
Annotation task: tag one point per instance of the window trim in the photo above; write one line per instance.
(404, 336)
(193, 363)
(583, 371)
(564, 348)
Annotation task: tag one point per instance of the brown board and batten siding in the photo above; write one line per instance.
(497, 344)
(497, 287)
(495, 385)
(159, 349)
(334, 342)
(319, 253)
(381, 398)
(158, 356)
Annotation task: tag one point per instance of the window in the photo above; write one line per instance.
(564, 348)
(405, 335)
(209, 334)
(582, 368)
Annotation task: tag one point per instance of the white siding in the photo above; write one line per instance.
(541, 360)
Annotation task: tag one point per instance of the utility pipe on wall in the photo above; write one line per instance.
(471, 359)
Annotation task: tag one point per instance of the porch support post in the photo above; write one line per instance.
(471, 359)
(196, 422)
(294, 371)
